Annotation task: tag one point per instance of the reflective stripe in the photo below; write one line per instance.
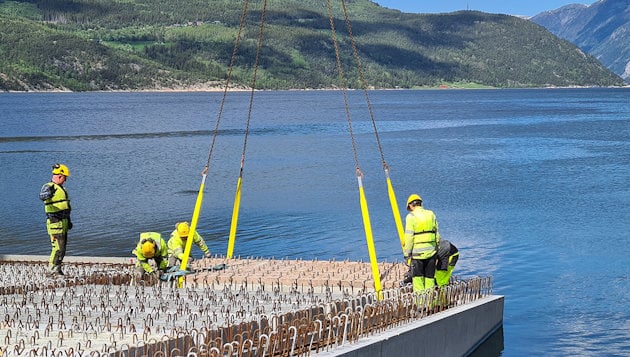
(423, 249)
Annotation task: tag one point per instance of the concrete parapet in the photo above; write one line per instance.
(455, 332)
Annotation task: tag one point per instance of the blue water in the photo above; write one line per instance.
(533, 186)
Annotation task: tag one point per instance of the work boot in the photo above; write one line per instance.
(55, 270)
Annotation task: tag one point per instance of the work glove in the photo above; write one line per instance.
(207, 255)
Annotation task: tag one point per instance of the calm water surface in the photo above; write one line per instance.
(533, 186)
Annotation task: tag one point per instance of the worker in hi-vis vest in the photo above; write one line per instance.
(57, 208)
(421, 241)
(177, 244)
(447, 256)
(150, 246)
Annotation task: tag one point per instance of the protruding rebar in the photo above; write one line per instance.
(288, 308)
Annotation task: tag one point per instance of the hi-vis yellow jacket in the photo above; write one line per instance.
(161, 253)
(59, 203)
(421, 234)
(176, 245)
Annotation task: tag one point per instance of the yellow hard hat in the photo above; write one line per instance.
(413, 197)
(148, 248)
(183, 229)
(60, 169)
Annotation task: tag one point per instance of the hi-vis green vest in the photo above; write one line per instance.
(60, 201)
(421, 234)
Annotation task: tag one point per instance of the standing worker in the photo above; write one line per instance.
(150, 246)
(447, 256)
(57, 208)
(421, 241)
(177, 244)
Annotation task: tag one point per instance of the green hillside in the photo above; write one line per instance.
(86, 45)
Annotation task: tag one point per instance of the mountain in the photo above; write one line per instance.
(601, 29)
(90, 45)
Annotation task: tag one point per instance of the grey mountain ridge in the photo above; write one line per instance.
(601, 29)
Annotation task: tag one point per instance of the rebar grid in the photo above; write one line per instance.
(97, 312)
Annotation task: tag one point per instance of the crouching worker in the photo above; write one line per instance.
(177, 244)
(447, 256)
(150, 246)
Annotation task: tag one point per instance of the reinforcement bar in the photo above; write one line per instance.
(97, 309)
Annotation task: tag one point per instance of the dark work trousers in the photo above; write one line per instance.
(423, 273)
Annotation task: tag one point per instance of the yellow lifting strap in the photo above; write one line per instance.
(204, 174)
(370, 241)
(237, 196)
(364, 206)
(390, 188)
(193, 227)
(395, 212)
(235, 210)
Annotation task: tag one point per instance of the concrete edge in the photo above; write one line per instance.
(457, 331)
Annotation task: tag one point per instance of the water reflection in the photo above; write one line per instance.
(491, 347)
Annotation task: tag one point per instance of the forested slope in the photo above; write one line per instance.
(86, 45)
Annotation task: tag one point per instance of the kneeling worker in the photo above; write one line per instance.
(177, 244)
(150, 246)
(447, 256)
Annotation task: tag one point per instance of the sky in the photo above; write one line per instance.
(510, 7)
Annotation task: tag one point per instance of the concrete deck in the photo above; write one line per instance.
(259, 287)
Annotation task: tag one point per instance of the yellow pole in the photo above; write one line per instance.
(193, 227)
(370, 241)
(235, 210)
(395, 211)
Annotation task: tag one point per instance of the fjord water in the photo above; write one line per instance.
(533, 186)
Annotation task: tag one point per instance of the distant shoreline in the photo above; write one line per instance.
(196, 89)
